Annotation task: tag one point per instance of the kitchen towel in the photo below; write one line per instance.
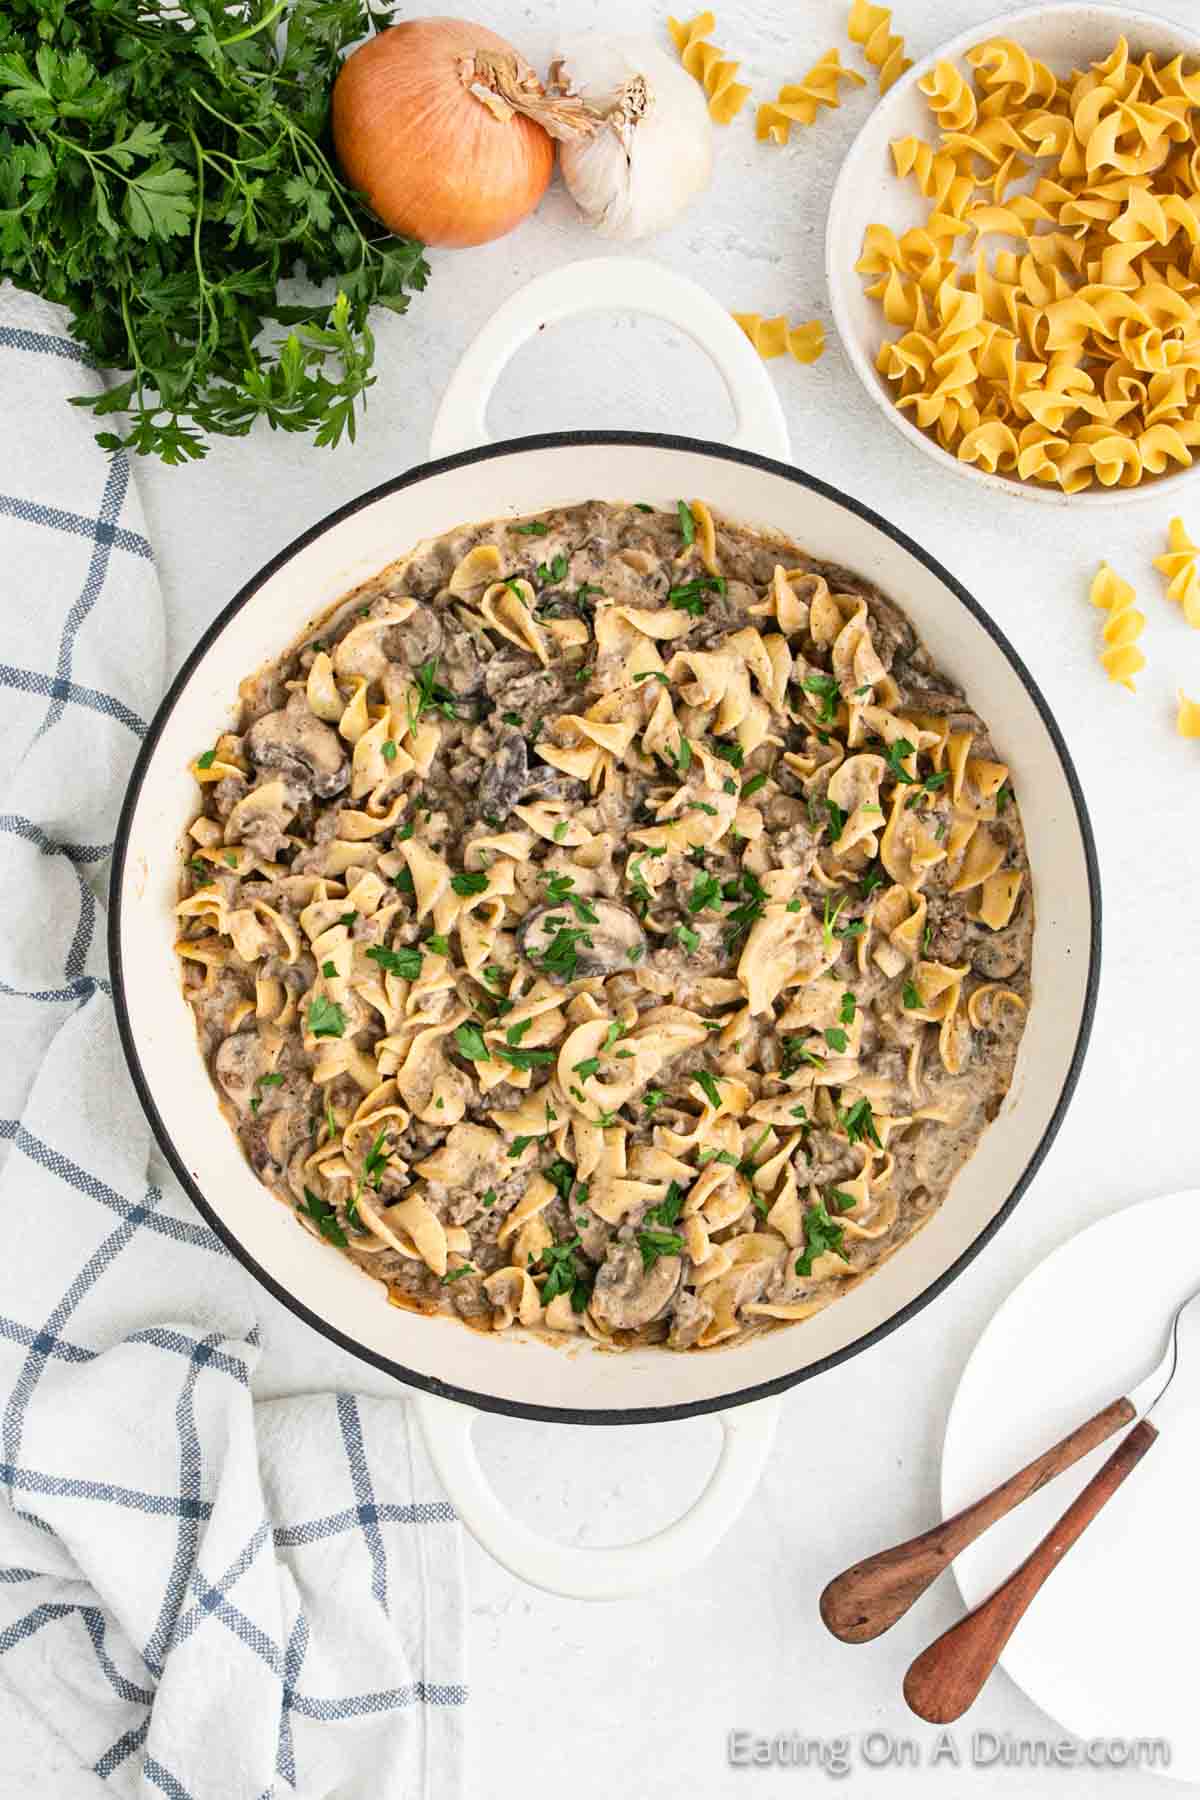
(204, 1596)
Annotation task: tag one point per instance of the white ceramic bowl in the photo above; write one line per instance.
(440, 1357)
(868, 191)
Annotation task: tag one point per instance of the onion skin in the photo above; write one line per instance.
(432, 161)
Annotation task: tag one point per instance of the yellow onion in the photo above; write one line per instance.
(447, 131)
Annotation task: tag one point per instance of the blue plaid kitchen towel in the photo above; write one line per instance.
(205, 1597)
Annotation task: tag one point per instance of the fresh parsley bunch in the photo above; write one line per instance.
(163, 166)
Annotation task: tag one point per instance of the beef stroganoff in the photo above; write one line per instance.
(609, 922)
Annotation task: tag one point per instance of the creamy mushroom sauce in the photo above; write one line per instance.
(609, 922)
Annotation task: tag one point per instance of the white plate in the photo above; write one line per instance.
(1107, 1648)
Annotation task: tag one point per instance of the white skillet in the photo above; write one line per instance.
(449, 1369)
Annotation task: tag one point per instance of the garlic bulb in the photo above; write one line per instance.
(652, 150)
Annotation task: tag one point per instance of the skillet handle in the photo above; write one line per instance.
(611, 1572)
(612, 284)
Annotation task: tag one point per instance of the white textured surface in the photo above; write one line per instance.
(638, 1696)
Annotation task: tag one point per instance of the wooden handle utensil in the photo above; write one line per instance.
(868, 1598)
(947, 1677)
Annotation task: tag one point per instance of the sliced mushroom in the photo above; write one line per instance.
(415, 641)
(239, 1063)
(505, 778)
(615, 941)
(301, 747)
(627, 1296)
(999, 954)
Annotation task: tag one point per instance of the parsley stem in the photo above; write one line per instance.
(250, 31)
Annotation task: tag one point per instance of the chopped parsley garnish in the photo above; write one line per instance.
(469, 881)
(653, 1097)
(513, 718)
(708, 1084)
(329, 970)
(552, 572)
(523, 1059)
(563, 1275)
(206, 760)
(560, 831)
(668, 1209)
(469, 1039)
(523, 1142)
(405, 963)
(836, 1038)
(837, 819)
(688, 597)
(752, 786)
(388, 749)
(796, 1052)
(560, 956)
(558, 892)
(830, 920)
(535, 528)
(872, 878)
(689, 939)
(826, 690)
(911, 995)
(651, 675)
(701, 806)
(842, 1202)
(323, 1217)
(1003, 796)
(437, 945)
(706, 891)
(729, 750)
(847, 1010)
(589, 1066)
(403, 882)
(263, 1082)
(430, 696)
(561, 1176)
(201, 872)
(858, 1122)
(457, 1274)
(729, 785)
(325, 1017)
(687, 524)
(682, 758)
(751, 896)
(892, 757)
(654, 1244)
(489, 1199)
(641, 889)
(821, 1234)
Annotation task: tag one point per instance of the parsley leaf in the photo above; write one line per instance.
(654, 1244)
(535, 528)
(858, 1122)
(821, 1235)
(708, 1084)
(847, 1009)
(911, 995)
(688, 597)
(826, 689)
(469, 1039)
(405, 963)
(323, 1217)
(836, 1038)
(469, 881)
(689, 939)
(892, 757)
(706, 891)
(687, 524)
(325, 1017)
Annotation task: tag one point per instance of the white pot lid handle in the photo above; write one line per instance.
(612, 284)
(615, 1571)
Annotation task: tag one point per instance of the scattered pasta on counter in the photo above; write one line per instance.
(726, 97)
(799, 102)
(1179, 565)
(772, 337)
(1187, 719)
(1076, 357)
(871, 28)
(1120, 655)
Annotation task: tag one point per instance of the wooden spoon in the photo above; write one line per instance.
(869, 1597)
